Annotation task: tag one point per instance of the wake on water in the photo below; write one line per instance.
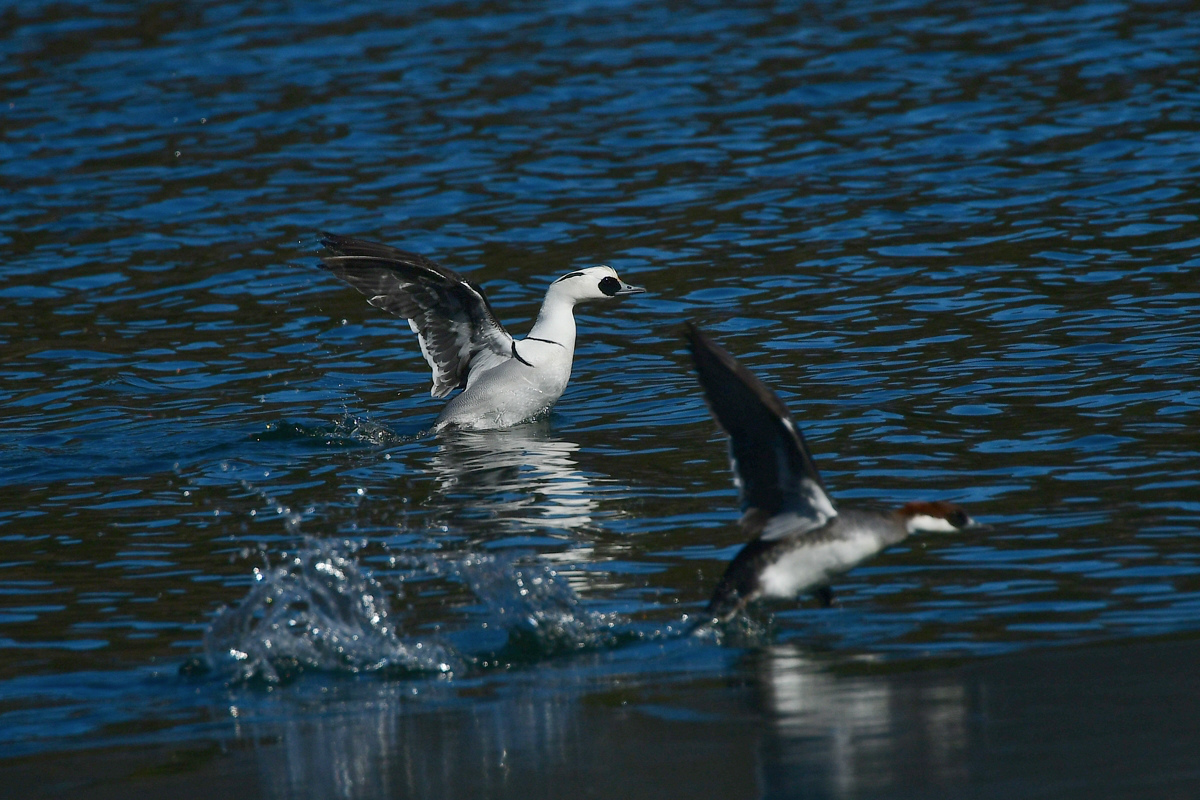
(321, 609)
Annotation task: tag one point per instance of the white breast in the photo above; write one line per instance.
(809, 566)
(514, 391)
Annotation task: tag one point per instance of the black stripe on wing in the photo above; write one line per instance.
(772, 467)
(450, 314)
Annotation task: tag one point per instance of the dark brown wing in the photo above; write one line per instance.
(781, 489)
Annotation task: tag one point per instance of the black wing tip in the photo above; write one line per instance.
(332, 246)
(337, 244)
(718, 371)
(696, 338)
(706, 354)
(705, 350)
(347, 250)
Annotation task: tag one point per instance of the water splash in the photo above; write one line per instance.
(317, 610)
(542, 614)
(348, 430)
(321, 609)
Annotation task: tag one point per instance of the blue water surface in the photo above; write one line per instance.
(958, 239)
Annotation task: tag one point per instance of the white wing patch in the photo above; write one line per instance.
(439, 375)
(818, 510)
(787, 524)
(818, 500)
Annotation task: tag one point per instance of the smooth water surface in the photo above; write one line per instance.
(959, 239)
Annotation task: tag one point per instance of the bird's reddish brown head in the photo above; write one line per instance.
(934, 516)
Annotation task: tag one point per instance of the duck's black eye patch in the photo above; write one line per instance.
(957, 518)
(610, 285)
(569, 275)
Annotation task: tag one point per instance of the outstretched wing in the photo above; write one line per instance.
(453, 320)
(780, 486)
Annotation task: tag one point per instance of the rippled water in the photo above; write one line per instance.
(959, 240)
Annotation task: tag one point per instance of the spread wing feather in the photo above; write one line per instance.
(781, 489)
(452, 318)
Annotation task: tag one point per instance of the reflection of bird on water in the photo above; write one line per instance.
(869, 730)
(801, 542)
(527, 473)
(504, 380)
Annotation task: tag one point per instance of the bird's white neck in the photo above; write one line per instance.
(556, 320)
